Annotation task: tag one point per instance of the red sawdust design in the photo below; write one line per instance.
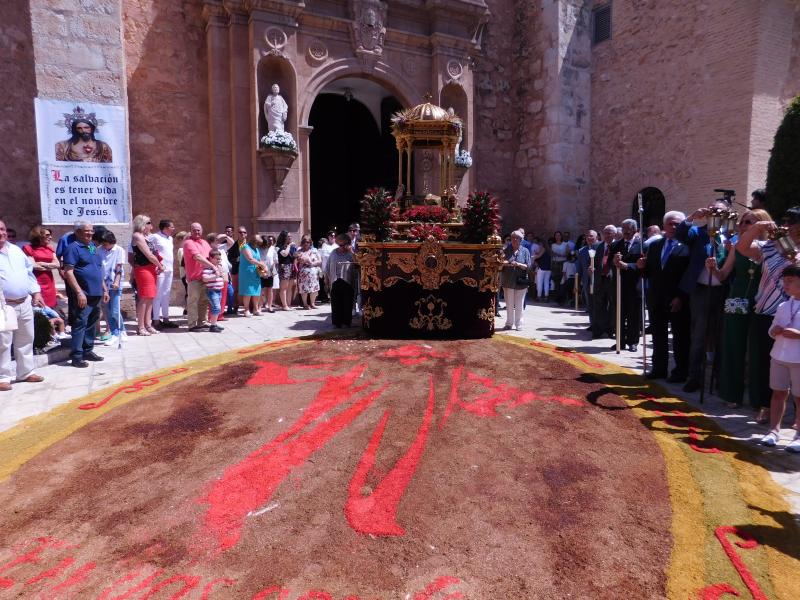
(349, 469)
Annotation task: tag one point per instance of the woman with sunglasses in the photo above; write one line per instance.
(286, 268)
(250, 266)
(268, 283)
(146, 267)
(744, 275)
(308, 263)
(44, 263)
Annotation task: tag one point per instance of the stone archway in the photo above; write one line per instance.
(350, 149)
(654, 205)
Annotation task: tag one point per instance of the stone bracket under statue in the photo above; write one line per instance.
(429, 289)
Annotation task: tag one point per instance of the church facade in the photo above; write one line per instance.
(570, 107)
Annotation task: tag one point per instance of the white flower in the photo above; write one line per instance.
(463, 159)
(281, 140)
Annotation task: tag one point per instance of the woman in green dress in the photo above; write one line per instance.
(745, 275)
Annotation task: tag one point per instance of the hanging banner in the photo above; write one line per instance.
(83, 162)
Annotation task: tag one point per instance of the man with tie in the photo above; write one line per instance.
(604, 292)
(706, 292)
(664, 265)
(626, 252)
(585, 271)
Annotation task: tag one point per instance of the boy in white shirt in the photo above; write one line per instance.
(114, 259)
(784, 370)
(214, 284)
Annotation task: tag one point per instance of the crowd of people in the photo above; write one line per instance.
(221, 276)
(728, 300)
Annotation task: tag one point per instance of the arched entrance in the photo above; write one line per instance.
(350, 149)
(654, 205)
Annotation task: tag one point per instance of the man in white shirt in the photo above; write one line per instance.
(325, 251)
(162, 240)
(20, 292)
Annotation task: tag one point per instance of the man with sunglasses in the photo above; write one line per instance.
(234, 257)
(83, 273)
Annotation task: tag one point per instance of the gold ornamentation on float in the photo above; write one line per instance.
(369, 260)
(369, 312)
(430, 267)
(487, 314)
(492, 262)
(430, 315)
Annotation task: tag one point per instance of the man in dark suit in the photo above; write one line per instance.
(604, 293)
(585, 273)
(626, 252)
(665, 263)
(702, 289)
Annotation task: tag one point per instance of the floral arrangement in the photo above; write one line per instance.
(427, 214)
(481, 218)
(422, 231)
(378, 210)
(280, 140)
(463, 159)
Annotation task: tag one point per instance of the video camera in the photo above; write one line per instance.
(728, 195)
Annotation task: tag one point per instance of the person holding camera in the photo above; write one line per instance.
(515, 280)
(769, 296)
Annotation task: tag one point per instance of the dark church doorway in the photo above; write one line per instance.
(351, 149)
(654, 205)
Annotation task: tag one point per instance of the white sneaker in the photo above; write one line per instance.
(794, 445)
(771, 439)
(113, 341)
(248, 313)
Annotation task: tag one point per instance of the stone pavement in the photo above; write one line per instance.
(545, 322)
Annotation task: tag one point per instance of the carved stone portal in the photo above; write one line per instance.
(369, 28)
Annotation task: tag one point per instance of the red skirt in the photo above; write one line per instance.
(146, 280)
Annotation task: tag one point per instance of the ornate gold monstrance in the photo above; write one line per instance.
(427, 126)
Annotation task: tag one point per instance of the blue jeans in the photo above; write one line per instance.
(112, 308)
(84, 325)
(214, 301)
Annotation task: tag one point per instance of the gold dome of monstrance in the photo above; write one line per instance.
(427, 126)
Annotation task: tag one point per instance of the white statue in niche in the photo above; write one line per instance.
(275, 110)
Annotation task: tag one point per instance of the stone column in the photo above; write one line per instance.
(222, 208)
(562, 184)
(240, 127)
(79, 55)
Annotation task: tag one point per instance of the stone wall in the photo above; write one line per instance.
(166, 70)
(533, 95)
(496, 109)
(685, 99)
(19, 198)
(59, 49)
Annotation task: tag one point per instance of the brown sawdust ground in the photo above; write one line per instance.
(541, 501)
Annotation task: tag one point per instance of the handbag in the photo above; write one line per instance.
(8, 316)
(523, 279)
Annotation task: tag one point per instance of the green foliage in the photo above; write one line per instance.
(481, 218)
(783, 171)
(378, 210)
(42, 330)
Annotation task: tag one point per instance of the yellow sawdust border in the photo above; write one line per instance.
(697, 558)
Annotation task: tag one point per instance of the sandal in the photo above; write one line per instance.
(763, 416)
(153, 331)
(143, 332)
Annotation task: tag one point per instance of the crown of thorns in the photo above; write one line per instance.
(78, 114)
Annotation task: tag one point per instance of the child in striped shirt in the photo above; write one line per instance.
(214, 284)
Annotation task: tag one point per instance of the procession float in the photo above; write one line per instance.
(429, 268)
